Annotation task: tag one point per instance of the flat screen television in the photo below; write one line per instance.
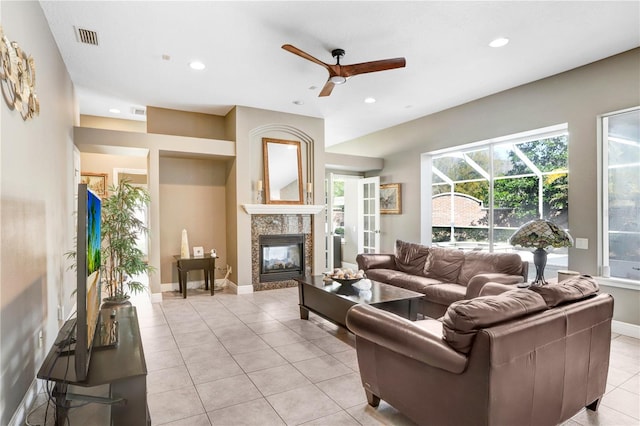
(89, 290)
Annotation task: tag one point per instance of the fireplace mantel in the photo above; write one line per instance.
(282, 208)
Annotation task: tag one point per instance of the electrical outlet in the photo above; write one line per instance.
(582, 243)
(40, 339)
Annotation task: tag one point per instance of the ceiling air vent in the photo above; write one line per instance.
(138, 111)
(87, 36)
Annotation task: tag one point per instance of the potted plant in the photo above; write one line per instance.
(121, 257)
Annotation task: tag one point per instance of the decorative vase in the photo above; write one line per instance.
(184, 247)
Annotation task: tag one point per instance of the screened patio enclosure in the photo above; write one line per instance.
(482, 194)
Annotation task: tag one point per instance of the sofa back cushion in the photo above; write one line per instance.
(443, 264)
(569, 290)
(411, 257)
(482, 262)
(464, 318)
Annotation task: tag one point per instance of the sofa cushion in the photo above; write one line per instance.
(463, 319)
(445, 293)
(443, 264)
(384, 275)
(411, 257)
(569, 290)
(401, 279)
(482, 262)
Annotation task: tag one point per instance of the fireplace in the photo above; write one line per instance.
(281, 257)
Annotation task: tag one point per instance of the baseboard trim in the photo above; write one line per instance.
(175, 286)
(219, 283)
(20, 415)
(240, 289)
(626, 329)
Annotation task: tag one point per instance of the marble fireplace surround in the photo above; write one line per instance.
(280, 219)
(279, 224)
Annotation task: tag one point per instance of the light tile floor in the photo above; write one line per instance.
(249, 360)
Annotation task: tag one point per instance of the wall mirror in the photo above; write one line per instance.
(282, 171)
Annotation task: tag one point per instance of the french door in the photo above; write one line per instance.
(369, 215)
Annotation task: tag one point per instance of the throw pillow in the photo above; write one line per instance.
(464, 318)
(410, 257)
(482, 262)
(443, 264)
(569, 290)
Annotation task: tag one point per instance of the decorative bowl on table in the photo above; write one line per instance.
(347, 281)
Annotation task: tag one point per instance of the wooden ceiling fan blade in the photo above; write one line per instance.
(374, 66)
(302, 54)
(326, 90)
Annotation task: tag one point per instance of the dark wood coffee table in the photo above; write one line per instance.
(331, 300)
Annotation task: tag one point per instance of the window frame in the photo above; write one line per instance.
(603, 205)
(514, 139)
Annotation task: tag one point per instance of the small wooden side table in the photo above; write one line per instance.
(185, 264)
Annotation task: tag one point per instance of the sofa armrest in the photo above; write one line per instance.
(474, 287)
(493, 289)
(376, 261)
(404, 337)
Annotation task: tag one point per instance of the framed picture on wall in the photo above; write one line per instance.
(390, 198)
(97, 182)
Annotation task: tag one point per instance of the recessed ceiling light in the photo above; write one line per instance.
(196, 65)
(499, 42)
(298, 102)
(313, 87)
(114, 110)
(369, 100)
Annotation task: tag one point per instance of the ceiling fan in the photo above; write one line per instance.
(338, 74)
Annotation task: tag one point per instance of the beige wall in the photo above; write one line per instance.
(192, 197)
(153, 146)
(36, 210)
(113, 123)
(575, 97)
(105, 163)
(184, 123)
(251, 126)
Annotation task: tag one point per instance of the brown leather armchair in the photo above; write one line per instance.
(517, 358)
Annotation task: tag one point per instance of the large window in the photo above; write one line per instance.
(482, 193)
(621, 195)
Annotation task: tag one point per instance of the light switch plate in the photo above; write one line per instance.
(582, 243)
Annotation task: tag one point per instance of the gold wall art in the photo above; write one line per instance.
(18, 78)
(390, 198)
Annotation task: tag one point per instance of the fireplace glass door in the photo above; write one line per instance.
(281, 257)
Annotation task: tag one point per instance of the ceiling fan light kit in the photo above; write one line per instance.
(338, 74)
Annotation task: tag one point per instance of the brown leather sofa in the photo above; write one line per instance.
(443, 275)
(522, 357)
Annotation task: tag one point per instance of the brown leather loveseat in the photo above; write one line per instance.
(443, 275)
(522, 357)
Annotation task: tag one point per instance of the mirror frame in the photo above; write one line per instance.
(265, 156)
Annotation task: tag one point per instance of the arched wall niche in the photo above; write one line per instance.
(280, 131)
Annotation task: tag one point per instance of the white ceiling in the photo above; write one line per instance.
(445, 45)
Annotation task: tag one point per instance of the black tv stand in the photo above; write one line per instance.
(122, 367)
